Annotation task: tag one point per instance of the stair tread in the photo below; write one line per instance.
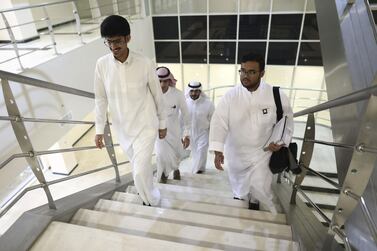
(206, 208)
(61, 236)
(210, 199)
(206, 184)
(194, 190)
(200, 236)
(210, 221)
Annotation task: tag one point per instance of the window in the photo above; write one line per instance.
(195, 52)
(193, 27)
(310, 30)
(167, 52)
(222, 27)
(165, 27)
(282, 53)
(253, 26)
(222, 52)
(310, 54)
(247, 47)
(284, 26)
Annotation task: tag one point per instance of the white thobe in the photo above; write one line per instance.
(132, 92)
(201, 111)
(169, 150)
(243, 122)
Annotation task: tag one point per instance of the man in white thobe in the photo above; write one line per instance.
(201, 110)
(169, 150)
(243, 122)
(126, 83)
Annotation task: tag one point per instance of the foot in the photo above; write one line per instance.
(236, 198)
(176, 175)
(163, 179)
(254, 205)
(199, 172)
(149, 205)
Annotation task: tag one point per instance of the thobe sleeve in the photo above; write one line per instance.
(155, 89)
(287, 111)
(185, 115)
(100, 99)
(219, 126)
(211, 110)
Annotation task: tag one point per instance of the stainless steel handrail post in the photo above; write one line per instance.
(50, 31)
(23, 139)
(13, 39)
(78, 21)
(306, 154)
(110, 150)
(367, 215)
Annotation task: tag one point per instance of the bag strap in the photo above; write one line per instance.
(279, 108)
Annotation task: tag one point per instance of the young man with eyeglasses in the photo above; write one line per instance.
(169, 150)
(240, 127)
(126, 84)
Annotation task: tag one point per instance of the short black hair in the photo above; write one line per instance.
(115, 25)
(254, 57)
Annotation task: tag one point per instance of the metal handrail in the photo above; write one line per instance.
(324, 177)
(44, 84)
(343, 100)
(28, 189)
(55, 121)
(34, 6)
(327, 143)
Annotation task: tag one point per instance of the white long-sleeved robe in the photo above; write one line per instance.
(132, 93)
(201, 111)
(169, 150)
(243, 122)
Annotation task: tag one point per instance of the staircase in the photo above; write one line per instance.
(195, 213)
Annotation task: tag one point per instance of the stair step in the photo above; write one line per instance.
(206, 208)
(209, 199)
(199, 236)
(61, 236)
(321, 198)
(217, 185)
(194, 190)
(197, 219)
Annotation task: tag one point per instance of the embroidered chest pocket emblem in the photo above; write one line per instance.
(265, 111)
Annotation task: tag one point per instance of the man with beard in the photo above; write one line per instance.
(241, 125)
(126, 83)
(169, 150)
(201, 110)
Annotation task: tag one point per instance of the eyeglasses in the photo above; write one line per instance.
(115, 42)
(248, 73)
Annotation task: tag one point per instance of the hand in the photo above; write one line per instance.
(162, 133)
(219, 159)
(274, 147)
(99, 141)
(185, 142)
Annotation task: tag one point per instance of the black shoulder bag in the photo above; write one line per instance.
(286, 157)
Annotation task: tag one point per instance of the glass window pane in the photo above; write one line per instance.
(285, 26)
(222, 27)
(165, 27)
(280, 53)
(375, 16)
(167, 52)
(194, 52)
(310, 30)
(310, 6)
(308, 77)
(280, 75)
(288, 5)
(254, 47)
(253, 26)
(222, 74)
(222, 52)
(193, 6)
(198, 72)
(254, 6)
(164, 7)
(310, 54)
(222, 6)
(193, 27)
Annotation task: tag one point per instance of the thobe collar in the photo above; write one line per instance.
(128, 60)
(258, 90)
